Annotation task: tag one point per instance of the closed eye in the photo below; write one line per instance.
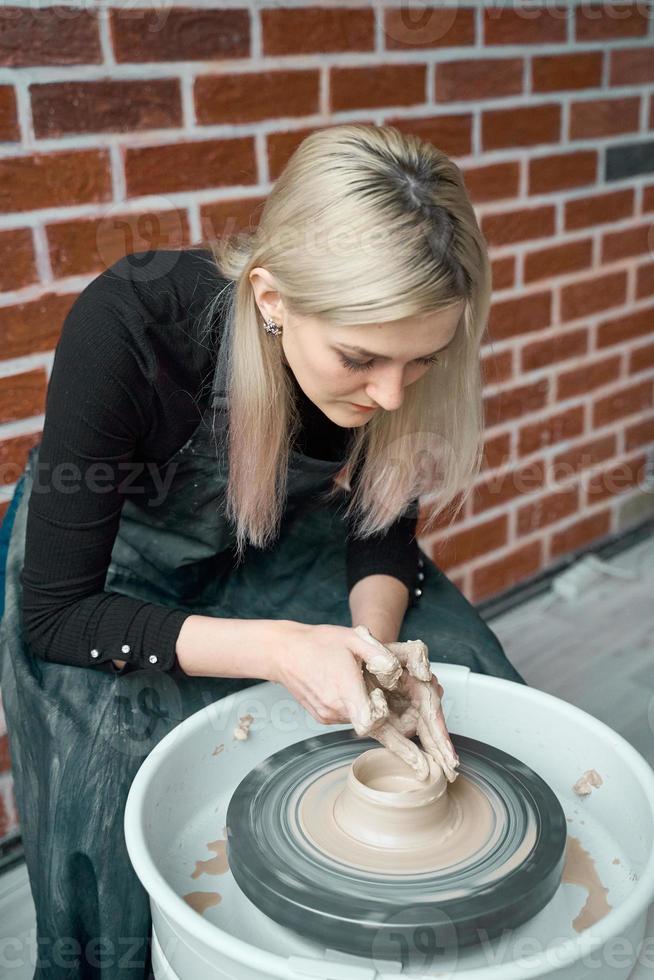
(352, 365)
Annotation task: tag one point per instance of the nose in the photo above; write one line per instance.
(388, 392)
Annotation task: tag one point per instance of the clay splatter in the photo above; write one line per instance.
(200, 901)
(217, 865)
(580, 869)
(218, 749)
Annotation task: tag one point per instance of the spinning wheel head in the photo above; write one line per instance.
(335, 838)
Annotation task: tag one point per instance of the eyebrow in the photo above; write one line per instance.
(382, 357)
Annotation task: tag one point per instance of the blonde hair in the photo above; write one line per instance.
(412, 246)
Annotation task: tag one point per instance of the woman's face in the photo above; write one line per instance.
(337, 378)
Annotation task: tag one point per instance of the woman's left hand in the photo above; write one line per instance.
(413, 695)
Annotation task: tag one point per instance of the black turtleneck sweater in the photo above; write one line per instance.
(132, 374)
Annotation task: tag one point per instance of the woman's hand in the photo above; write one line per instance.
(414, 700)
(392, 699)
(322, 667)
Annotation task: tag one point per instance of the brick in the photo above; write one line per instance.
(645, 280)
(190, 166)
(182, 35)
(518, 225)
(312, 30)
(46, 36)
(377, 86)
(499, 488)
(17, 262)
(433, 28)
(22, 395)
(493, 181)
(623, 159)
(548, 431)
(13, 456)
(604, 117)
(34, 325)
(521, 126)
(626, 243)
(599, 209)
(639, 434)
(497, 450)
(510, 317)
(255, 96)
(503, 573)
(641, 359)
(512, 403)
(593, 295)
(564, 345)
(631, 66)
(561, 171)
(90, 245)
(9, 129)
(547, 510)
(478, 78)
(629, 326)
(599, 22)
(226, 217)
(565, 72)
(538, 25)
(582, 457)
(4, 507)
(53, 180)
(503, 272)
(496, 368)
(558, 260)
(583, 532)
(617, 479)
(61, 108)
(440, 517)
(583, 379)
(471, 542)
(451, 132)
(627, 401)
(5, 758)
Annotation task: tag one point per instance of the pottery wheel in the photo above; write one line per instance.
(499, 864)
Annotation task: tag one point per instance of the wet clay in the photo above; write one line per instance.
(375, 814)
(580, 869)
(217, 865)
(200, 901)
(585, 784)
(242, 730)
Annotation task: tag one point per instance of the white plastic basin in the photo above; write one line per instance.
(178, 801)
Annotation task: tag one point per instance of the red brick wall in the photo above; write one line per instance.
(130, 128)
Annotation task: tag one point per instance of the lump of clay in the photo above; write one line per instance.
(584, 785)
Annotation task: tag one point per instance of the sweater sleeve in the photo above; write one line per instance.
(393, 551)
(98, 405)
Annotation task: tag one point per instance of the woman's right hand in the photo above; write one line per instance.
(321, 666)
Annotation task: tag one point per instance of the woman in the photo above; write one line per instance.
(185, 528)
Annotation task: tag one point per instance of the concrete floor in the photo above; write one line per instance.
(597, 653)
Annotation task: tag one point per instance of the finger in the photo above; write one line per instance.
(413, 655)
(407, 751)
(378, 659)
(432, 729)
(405, 721)
(370, 713)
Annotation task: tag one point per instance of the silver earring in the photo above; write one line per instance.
(272, 327)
